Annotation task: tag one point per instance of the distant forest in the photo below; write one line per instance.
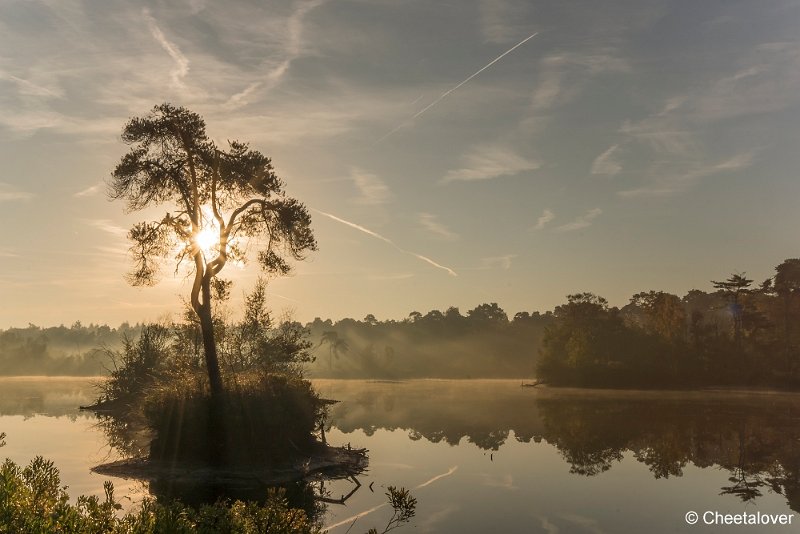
(740, 333)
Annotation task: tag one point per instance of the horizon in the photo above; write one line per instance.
(507, 152)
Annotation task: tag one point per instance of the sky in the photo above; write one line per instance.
(451, 153)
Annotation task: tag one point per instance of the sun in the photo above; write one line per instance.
(208, 236)
(206, 239)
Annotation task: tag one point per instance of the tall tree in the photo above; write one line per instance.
(664, 314)
(787, 287)
(217, 200)
(735, 287)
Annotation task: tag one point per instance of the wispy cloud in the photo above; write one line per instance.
(372, 190)
(89, 191)
(606, 164)
(181, 62)
(679, 180)
(29, 88)
(487, 162)
(376, 235)
(584, 221)
(502, 21)
(294, 48)
(543, 219)
(499, 262)
(564, 75)
(430, 223)
(9, 193)
(107, 226)
(396, 276)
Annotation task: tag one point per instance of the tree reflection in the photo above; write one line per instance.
(753, 436)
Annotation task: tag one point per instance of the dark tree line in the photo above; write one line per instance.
(740, 334)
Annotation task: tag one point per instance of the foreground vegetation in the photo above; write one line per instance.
(32, 499)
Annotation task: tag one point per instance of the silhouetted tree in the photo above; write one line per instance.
(787, 287)
(216, 198)
(735, 287)
(336, 345)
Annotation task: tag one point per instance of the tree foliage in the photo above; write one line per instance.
(218, 198)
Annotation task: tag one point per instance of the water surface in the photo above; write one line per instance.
(490, 456)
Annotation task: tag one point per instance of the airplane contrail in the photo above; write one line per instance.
(446, 93)
(376, 235)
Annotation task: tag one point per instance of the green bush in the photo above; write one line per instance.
(32, 500)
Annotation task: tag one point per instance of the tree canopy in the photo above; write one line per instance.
(218, 200)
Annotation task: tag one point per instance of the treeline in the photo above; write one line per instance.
(739, 335)
(76, 350)
(440, 344)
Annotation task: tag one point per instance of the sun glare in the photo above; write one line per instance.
(208, 237)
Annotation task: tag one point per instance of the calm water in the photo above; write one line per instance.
(489, 456)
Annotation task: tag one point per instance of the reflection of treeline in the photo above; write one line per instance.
(737, 335)
(76, 350)
(755, 441)
(482, 343)
(753, 436)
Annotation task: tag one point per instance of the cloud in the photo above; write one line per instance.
(9, 193)
(89, 191)
(29, 88)
(376, 235)
(396, 276)
(564, 75)
(606, 164)
(294, 48)
(667, 183)
(501, 262)
(584, 221)
(430, 223)
(502, 21)
(107, 226)
(488, 162)
(181, 62)
(543, 219)
(372, 190)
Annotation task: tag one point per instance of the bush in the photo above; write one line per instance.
(33, 500)
(260, 416)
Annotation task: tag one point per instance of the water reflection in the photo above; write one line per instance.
(753, 436)
(56, 397)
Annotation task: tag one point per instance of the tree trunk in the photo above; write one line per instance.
(209, 342)
(217, 431)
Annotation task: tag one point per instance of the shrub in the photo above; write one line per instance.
(260, 416)
(33, 500)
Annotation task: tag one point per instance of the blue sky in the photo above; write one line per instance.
(625, 146)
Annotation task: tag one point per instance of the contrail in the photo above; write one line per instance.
(376, 235)
(437, 477)
(446, 93)
(378, 507)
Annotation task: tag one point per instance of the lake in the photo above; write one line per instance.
(491, 456)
